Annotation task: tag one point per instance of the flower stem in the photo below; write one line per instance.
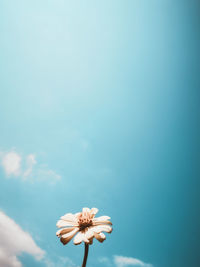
(85, 255)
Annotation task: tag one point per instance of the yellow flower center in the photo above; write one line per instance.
(85, 220)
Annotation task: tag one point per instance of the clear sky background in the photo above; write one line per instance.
(99, 107)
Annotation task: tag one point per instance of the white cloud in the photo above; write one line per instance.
(106, 261)
(60, 262)
(27, 168)
(14, 241)
(44, 174)
(121, 261)
(30, 161)
(12, 163)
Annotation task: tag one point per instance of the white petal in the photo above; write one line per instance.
(73, 232)
(101, 220)
(100, 237)
(86, 210)
(94, 211)
(96, 229)
(77, 214)
(69, 217)
(67, 237)
(78, 238)
(89, 234)
(85, 239)
(81, 237)
(101, 228)
(64, 231)
(62, 223)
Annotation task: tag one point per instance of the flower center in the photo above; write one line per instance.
(85, 220)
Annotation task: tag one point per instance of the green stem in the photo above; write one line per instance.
(85, 255)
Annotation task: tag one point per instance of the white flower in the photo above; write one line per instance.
(85, 225)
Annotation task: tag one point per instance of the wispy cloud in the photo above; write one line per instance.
(60, 262)
(26, 167)
(15, 241)
(30, 162)
(121, 261)
(47, 175)
(106, 261)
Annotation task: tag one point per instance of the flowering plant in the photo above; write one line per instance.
(85, 227)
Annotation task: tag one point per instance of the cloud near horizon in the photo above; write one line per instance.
(14, 241)
(121, 261)
(26, 168)
(60, 262)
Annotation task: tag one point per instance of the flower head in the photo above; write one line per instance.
(85, 225)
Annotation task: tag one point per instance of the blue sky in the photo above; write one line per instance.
(99, 107)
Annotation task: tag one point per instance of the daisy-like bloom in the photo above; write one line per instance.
(85, 225)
